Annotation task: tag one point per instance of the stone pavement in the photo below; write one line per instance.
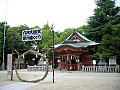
(24, 85)
(76, 76)
(17, 86)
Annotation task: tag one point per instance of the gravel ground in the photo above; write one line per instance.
(64, 80)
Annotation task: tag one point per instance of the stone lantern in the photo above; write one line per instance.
(102, 64)
(102, 61)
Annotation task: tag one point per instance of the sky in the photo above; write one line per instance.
(62, 13)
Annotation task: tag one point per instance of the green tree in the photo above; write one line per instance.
(15, 34)
(105, 15)
(84, 30)
(64, 35)
(104, 28)
(1, 37)
(110, 44)
(46, 38)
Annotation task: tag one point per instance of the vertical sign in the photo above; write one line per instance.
(9, 64)
(112, 61)
(94, 62)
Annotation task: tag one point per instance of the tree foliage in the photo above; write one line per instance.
(104, 28)
(14, 37)
(2, 24)
(1, 37)
(105, 15)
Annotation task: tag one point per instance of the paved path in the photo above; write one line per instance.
(25, 85)
(17, 86)
(58, 74)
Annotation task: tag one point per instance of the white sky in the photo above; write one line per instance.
(62, 13)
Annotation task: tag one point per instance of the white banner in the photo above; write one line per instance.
(9, 64)
(31, 35)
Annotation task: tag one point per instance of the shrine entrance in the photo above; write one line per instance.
(74, 52)
(72, 59)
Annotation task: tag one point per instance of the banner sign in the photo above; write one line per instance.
(9, 64)
(31, 35)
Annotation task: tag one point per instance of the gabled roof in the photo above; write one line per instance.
(80, 35)
(30, 52)
(76, 40)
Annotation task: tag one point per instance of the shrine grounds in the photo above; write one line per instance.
(64, 80)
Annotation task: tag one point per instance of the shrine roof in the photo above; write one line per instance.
(76, 40)
(77, 45)
(80, 35)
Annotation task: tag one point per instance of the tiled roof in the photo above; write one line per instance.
(76, 44)
(80, 35)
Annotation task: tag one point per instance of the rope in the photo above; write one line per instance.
(33, 81)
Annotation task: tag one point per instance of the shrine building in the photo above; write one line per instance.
(75, 52)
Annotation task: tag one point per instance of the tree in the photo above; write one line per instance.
(104, 28)
(84, 30)
(64, 35)
(1, 37)
(46, 38)
(105, 15)
(15, 34)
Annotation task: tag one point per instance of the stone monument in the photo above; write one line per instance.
(112, 61)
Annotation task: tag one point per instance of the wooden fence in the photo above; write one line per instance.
(38, 68)
(103, 69)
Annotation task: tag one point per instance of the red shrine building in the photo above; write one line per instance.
(75, 52)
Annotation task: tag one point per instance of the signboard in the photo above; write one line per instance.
(9, 64)
(94, 62)
(31, 35)
(112, 61)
